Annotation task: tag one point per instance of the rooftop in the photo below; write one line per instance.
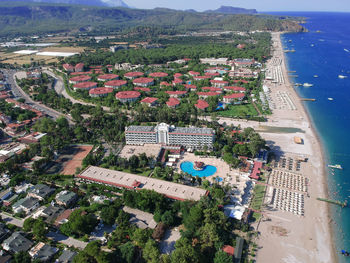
(133, 74)
(116, 83)
(143, 80)
(201, 104)
(80, 78)
(126, 180)
(176, 92)
(85, 85)
(158, 74)
(149, 100)
(108, 76)
(212, 89)
(234, 96)
(209, 93)
(172, 102)
(17, 243)
(98, 91)
(130, 94)
(234, 88)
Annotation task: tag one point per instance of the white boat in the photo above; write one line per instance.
(330, 99)
(346, 50)
(312, 45)
(342, 76)
(308, 85)
(315, 76)
(335, 166)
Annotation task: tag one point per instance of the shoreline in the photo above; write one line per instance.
(323, 155)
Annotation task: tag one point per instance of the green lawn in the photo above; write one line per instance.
(258, 196)
(238, 111)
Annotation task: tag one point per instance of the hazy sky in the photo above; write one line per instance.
(260, 5)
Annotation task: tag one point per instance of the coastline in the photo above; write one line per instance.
(323, 156)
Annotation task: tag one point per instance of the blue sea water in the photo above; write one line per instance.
(327, 54)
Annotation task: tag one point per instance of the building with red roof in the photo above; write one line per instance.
(199, 78)
(115, 84)
(235, 97)
(207, 94)
(67, 67)
(201, 105)
(213, 89)
(107, 77)
(98, 71)
(228, 250)
(190, 87)
(158, 75)
(219, 83)
(143, 82)
(193, 73)
(165, 84)
(236, 89)
(79, 67)
(176, 93)
(100, 92)
(127, 96)
(133, 75)
(142, 89)
(178, 75)
(150, 101)
(85, 86)
(79, 79)
(173, 102)
(215, 74)
(255, 174)
(241, 80)
(96, 67)
(81, 73)
(177, 82)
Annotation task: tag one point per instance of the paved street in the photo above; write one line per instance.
(19, 93)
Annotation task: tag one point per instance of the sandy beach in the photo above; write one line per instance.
(283, 235)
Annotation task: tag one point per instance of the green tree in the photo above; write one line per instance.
(127, 252)
(222, 257)
(22, 257)
(109, 214)
(150, 252)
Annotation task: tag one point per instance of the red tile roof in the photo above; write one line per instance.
(143, 80)
(235, 88)
(234, 96)
(201, 77)
(133, 74)
(158, 74)
(256, 170)
(219, 81)
(212, 74)
(85, 85)
(131, 94)
(172, 102)
(210, 93)
(80, 73)
(149, 100)
(177, 81)
(108, 77)
(100, 91)
(177, 75)
(95, 67)
(188, 86)
(212, 89)
(80, 78)
(164, 83)
(176, 92)
(142, 89)
(194, 73)
(229, 250)
(79, 66)
(241, 80)
(201, 104)
(68, 67)
(115, 83)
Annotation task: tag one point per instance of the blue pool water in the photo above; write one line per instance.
(221, 106)
(208, 170)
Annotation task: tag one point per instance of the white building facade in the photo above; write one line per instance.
(170, 135)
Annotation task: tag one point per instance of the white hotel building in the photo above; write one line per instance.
(170, 135)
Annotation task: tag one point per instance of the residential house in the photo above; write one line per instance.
(66, 198)
(17, 243)
(27, 205)
(43, 252)
(40, 191)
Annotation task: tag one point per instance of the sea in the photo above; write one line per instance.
(321, 58)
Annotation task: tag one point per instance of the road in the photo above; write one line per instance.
(19, 93)
(60, 90)
(71, 242)
(12, 220)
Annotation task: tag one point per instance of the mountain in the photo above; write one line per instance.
(232, 10)
(109, 3)
(28, 18)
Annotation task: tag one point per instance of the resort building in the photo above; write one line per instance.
(243, 62)
(67, 67)
(201, 105)
(176, 93)
(207, 94)
(143, 82)
(100, 92)
(190, 87)
(165, 84)
(177, 81)
(235, 89)
(137, 182)
(219, 83)
(85, 86)
(214, 61)
(133, 75)
(234, 98)
(79, 67)
(115, 84)
(127, 96)
(107, 77)
(193, 73)
(79, 79)
(173, 103)
(199, 78)
(158, 75)
(170, 135)
(212, 89)
(150, 101)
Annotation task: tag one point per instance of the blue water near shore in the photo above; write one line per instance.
(327, 55)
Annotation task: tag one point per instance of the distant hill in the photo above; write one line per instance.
(232, 10)
(110, 3)
(27, 18)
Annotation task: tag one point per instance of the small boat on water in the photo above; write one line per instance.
(298, 84)
(345, 253)
(346, 50)
(312, 45)
(315, 76)
(335, 166)
(342, 76)
(308, 85)
(330, 99)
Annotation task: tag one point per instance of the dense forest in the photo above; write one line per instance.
(20, 18)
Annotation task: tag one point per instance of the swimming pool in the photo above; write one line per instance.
(208, 170)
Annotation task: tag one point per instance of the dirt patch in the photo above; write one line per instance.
(280, 231)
